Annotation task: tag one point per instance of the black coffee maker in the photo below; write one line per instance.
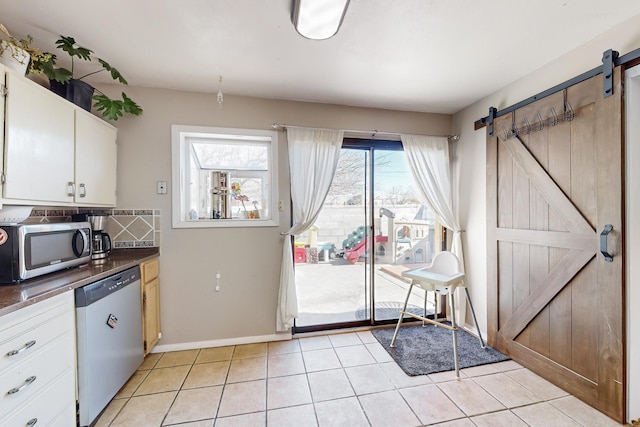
(100, 239)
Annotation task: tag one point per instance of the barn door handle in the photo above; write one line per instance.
(603, 243)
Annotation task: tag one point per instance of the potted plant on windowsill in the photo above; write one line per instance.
(79, 92)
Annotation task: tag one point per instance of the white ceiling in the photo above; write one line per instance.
(415, 55)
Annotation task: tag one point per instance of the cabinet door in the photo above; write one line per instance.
(96, 156)
(3, 84)
(151, 314)
(39, 145)
(39, 341)
(150, 271)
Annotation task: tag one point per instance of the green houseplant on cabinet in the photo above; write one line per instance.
(16, 54)
(81, 93)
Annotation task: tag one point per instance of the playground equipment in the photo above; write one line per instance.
(357, 244)
(362, 248)
(413, 242)
(403, 242)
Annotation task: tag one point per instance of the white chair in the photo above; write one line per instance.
(443, 277)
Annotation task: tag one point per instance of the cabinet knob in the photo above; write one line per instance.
(83, 190)
(32, 422)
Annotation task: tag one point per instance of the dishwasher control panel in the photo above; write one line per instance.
(96, 291)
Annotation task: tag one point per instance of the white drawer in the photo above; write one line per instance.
(27, 318)
(47, 329)
(49, 407)
(66, 418)
(45, 365)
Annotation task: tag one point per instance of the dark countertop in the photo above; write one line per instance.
(14, 297)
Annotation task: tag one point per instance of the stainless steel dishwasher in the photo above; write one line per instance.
(110, 349)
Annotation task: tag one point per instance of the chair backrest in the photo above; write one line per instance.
(445, 263)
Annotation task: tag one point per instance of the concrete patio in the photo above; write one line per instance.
(337, 291)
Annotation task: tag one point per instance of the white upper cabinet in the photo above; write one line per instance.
(54, 152)
(96, 156)
(39, 143)
(3, 87)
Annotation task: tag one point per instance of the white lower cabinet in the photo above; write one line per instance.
(47, 407)
(37, 373)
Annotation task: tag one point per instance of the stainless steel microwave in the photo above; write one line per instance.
(30, 250)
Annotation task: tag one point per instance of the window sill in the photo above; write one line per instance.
(225, 223)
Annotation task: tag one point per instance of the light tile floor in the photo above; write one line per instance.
(334, 380)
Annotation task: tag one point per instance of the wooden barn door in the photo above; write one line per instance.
(555, 304)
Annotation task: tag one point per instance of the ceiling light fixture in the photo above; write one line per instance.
(220, 96)
(318, 19)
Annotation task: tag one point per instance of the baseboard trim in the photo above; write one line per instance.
(162, 348)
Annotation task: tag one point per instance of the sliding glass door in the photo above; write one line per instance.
(372, 227)
(404, 235)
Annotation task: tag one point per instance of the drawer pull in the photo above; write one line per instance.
(27, 383)
(32, 422)
(27, 346)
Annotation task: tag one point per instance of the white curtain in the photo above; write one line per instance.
(429, 161)
(313, 157)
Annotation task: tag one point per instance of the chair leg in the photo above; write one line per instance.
(454, 333)
(406, 301)
(475, 321)
(426, 294)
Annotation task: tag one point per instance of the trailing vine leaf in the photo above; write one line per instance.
(68, 44)
(115, 74)
(110, 108)
(45, 64)
(130, 105)
(61, 74)
(114, 108)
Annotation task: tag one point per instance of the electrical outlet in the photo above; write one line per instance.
(280, 205)
(218, 275)
(161, 187)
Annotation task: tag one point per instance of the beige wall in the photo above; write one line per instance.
(471, 155)
(248, 259)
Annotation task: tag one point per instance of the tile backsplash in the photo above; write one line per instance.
(134, 228)
(47, 215)
(128, 228)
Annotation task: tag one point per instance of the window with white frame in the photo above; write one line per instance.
(224, 177)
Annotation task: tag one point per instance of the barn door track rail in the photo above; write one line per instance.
(610, 60)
